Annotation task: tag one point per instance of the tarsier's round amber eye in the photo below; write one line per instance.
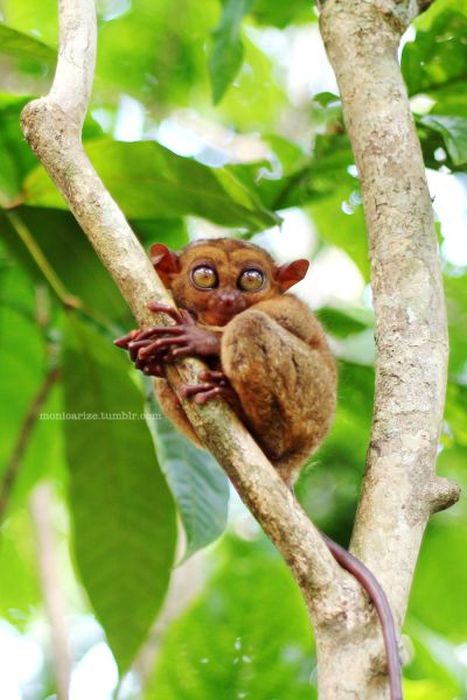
(251, 280)
(204, 277)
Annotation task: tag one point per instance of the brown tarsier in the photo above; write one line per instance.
(267, 356)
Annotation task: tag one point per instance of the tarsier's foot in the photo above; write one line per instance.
(215, 384)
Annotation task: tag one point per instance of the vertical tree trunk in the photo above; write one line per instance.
(400, 489)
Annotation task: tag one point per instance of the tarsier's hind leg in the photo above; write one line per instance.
(173, 410)
(285, 387)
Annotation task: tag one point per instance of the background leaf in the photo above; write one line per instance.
(123, 515)
(239, 640)
(149, 181)
(198, 484)
(227, 53)
(453, 129)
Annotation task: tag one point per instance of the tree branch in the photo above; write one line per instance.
(52, 127)
(14, 463)
(400, 489)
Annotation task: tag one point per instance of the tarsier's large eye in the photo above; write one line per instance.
(251, 280)
(204, 277)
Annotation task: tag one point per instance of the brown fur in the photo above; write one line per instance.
(273, 350)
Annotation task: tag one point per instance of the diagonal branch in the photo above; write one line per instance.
(52, 126)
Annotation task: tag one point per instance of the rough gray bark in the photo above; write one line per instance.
(351, 659)
(400, 489)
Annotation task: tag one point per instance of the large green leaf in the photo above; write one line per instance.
(149, 181)
(122, 512)
(227, 53)
(247, 637)
(199, 486)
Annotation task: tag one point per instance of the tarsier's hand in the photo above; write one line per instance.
(151, 349)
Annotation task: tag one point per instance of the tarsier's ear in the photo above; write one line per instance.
(165, 261)
(291, 273)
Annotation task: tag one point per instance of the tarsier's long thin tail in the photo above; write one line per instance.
(378, 597)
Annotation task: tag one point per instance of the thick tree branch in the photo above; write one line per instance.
(52, 126)
(400, 489)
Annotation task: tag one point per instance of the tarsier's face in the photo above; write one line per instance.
(219, 278)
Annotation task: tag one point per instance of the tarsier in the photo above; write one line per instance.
(268, 357)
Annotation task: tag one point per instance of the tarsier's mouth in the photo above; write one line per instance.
(217, 317)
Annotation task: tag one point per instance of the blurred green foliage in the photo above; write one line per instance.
(218, 71)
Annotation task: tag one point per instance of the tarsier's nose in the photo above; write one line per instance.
(228, 299)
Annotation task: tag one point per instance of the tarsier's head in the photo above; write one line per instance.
(219, 278)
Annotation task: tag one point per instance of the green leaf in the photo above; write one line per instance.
(146, 51)
(435, 659)
(279, 13)
(149, 181)
(440, 583)
(290, 157)
(256, 99)
(227, 53)
(298, 179)
(19, 585)
(32, 17)
(438, 55)
(330, 484)
(199, 486)
(122, 512)
(15, 155)
(453, 129)
(456, 302)
(342, 322)
(248, 636)
(21, 354)
(455, 413)
(426, 690)
(172, 232)
(71, 256)
(340, 222)
(20, 45)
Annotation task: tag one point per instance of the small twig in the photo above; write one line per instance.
(67, 299)
(14, 463)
